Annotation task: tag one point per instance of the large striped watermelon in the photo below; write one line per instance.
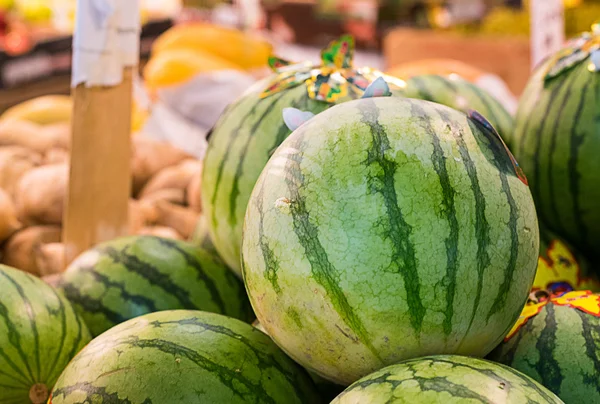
(385, 229)
(250, 130)
(135, 275)
(557, 141)
(444, 380)
(458, 93)
(557, 342)
(39, 334)
(183, 357)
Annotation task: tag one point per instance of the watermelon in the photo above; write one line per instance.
(385, 229)
(327, 389)
(558, 344)
(446, 379)
(458, 93)
(557, 141)
(135, 275)
(186, 357)
(250, 130)
(39, 334)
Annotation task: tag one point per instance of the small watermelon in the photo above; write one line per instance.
(39, 334)
(446, 379)
(557, 141)
(327, 389)
(385, 229)
(135, 275)
(460, 94)
(183, 357)
(250, 130)
(557, 342)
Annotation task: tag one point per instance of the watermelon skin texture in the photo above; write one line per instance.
(462, 95)
(386, 229)
(240, 145)
(446, 380)
(125, 278)
(327, 389)
(186, 357)
(40, 333)
(557, 143)
(560, 348)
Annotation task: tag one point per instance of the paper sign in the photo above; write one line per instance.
(106, 39)
(547, 29)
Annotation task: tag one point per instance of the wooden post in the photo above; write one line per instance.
(106, 52)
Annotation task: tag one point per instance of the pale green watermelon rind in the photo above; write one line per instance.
(136, 275)
(557, 145)
(559, 348)
(311, 281)
(460, 94)
(183, 357)
(39, 334)
(446, 379)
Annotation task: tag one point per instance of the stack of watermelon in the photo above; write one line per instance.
(380, 236)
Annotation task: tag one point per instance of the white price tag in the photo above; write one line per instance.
(547, 29)
(107, 39)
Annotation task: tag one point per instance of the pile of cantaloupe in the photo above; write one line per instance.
(34, 170)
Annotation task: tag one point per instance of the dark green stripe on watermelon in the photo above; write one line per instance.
(183, 357)
(449, 210)
(323, 271)
(482, 227)
(39, 334)
(125, 278)
(399, 231)
(560, 348)
(271, 264)
(501, 159)
(235, 191)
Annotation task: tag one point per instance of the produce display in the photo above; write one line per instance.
(446, 379)
(186, 357)
(557, 142)
(40, 333)
(348, 236)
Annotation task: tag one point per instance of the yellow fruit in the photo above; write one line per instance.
(178, 66)
(243, 49)
(138, 117)
(6, 4)
(34, 11)
(43, 110)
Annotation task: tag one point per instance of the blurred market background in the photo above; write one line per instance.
(195, 50)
